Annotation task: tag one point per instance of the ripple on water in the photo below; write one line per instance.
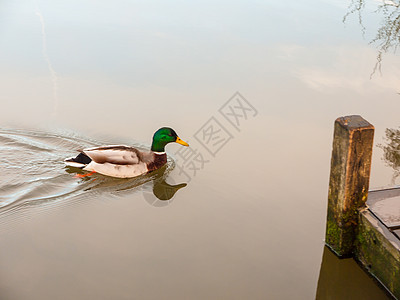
(33, 173)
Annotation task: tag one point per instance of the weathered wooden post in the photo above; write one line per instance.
(349, 181)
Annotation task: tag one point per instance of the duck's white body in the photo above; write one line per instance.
(118, 161)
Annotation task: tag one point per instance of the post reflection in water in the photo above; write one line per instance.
(345, 279)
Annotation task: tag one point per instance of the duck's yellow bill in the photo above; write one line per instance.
(179, 141)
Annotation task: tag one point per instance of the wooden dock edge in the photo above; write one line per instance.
(351, 229)
(378, 251)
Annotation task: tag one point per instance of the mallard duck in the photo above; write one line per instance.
(124, 161)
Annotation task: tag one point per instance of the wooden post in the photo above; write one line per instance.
(349, 181)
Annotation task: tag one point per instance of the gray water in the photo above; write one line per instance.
(238, 215)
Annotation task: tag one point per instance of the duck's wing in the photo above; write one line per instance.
(114, 154)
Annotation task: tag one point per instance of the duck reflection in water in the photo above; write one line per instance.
(162, 191)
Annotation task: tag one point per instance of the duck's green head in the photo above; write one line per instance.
(163, 136)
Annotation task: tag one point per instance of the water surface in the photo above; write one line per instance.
(250, 222)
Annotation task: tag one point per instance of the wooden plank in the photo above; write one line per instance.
(397, 232)
(377, 195)
(387, 210)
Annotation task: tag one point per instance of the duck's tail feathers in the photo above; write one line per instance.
(81, 161)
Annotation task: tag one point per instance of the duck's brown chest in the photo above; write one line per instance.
(158, 162)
